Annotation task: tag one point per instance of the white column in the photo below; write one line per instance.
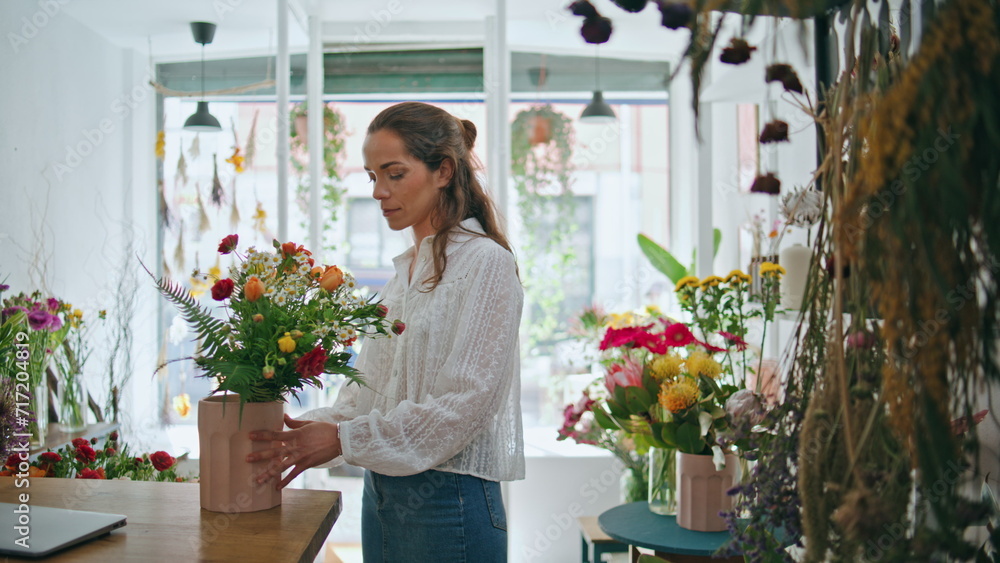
(496, 84)
(281, 142)
(704, 229)
(315, 78)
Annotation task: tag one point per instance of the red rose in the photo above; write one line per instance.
(312, 363)
(228, 244)
(381, 311)
(162, 461)
(77, 442)
(222, 289)
(85, 453)
(139, 461)
(109, 451)
(88, 473)
(50, 457)
(14, 459)
(398, 326)
(113, 436)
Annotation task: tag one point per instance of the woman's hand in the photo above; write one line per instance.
(308, 444)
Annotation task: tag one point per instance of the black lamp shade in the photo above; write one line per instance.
(598, 111)
(201, 120)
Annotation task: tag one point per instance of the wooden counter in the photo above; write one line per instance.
(166, 522)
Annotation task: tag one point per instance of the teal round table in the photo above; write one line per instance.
(635, 525)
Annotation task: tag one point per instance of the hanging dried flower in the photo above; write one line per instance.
(259, 217)
(675, 15)
(774, 132)
(161, 145)
(182, 170)
(166, 218)
(633, 6)
(802, 207)
(166, 274)
(179, 257)
(195, 151)
(766, 184)
(737, 53)
(583, 8)
(596, 30)
(784, 73)
(250, 151)
(236, 160)
(234, 214)
(204, 224)
(217, 193)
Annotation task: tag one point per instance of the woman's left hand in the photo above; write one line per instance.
(308, 444)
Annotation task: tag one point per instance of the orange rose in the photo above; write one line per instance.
(331, 278)
(288, 248)
(254, 289)
(316, 272)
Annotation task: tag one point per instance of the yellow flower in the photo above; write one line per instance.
(161, 145)
(236, 160)
(710, 281)
(686, 281)
(182, 404)
(286, 343)
(621, 320)
(666, 367)
(700, 363)
(737, 276)
(215, 273)
(103, 313)
(78, 314)
(675, 397)
(771, 268)
(654, 311)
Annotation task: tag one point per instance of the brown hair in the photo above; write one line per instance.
(432, 135)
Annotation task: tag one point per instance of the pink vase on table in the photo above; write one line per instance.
(227, 481)
(701, 491)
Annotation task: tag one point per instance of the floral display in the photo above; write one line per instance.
(288, 321)
(84, 460)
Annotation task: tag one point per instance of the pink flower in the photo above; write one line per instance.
(735, 340)
(616, 337)
(627, 375)
(678, 335)
(709, 348)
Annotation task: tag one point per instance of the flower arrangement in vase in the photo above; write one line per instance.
(288, 322)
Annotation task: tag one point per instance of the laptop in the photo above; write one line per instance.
(42, 530)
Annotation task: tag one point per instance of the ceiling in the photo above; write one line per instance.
(248, 27)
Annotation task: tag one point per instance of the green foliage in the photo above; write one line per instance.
(666, 263)
(542, 178)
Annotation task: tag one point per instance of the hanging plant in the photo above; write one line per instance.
(541, 150)
(334, 137)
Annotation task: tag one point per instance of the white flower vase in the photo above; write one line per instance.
(795, 259)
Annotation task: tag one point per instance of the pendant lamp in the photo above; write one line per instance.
(201, 119)
(598, 111)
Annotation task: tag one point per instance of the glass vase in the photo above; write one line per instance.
(634, 484)
(38, 410)
(662, 481)
(72, 403)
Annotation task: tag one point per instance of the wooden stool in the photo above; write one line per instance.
(595, 542)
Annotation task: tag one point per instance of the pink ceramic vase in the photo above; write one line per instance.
(701, 491)
(227, 480)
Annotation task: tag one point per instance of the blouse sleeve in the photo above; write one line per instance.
(343, 408)
(476, 376)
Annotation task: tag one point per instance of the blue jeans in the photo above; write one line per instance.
(432, 517)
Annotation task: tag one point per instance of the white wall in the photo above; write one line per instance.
(78, 175)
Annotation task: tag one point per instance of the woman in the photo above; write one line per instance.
(439, 424)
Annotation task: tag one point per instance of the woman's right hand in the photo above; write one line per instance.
(309, 443)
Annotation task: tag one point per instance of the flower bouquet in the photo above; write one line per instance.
(288, 321)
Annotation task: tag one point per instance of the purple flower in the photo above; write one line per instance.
(11, 311)
(4, 287)
(55, 323)
(745, 407)
(39, 320)
(53, 304)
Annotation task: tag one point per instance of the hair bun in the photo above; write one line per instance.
(468, 132)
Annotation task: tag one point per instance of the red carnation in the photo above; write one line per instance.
(50, 457)
(678, 335)
(228, 244)
(77, 442)
(86, 454)
(223, 289)
(312, 363)
(88, 473)
(109, 451)
(13, 460)
(162, 461)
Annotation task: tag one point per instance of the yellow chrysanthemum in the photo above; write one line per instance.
(737, 276)
(700, 363)
(621, 320)
(771, 268)
(666, 367)
(675, 397)
(686, 281)
(710, 281)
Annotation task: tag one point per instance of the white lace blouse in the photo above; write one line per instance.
(445, 394)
